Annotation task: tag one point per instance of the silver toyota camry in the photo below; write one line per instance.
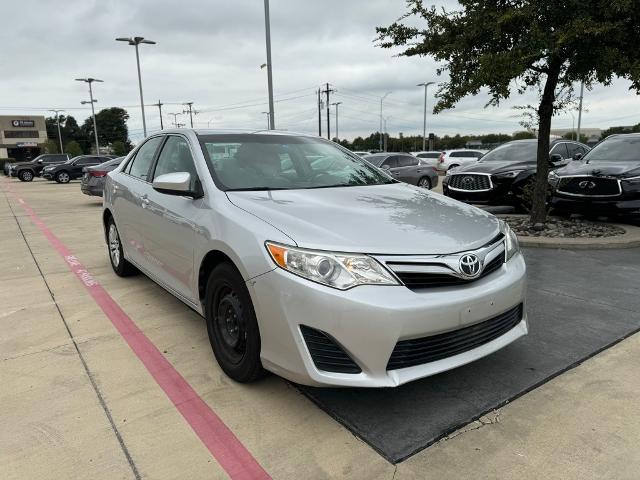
(309, 262)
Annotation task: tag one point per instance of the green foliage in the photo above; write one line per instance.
(614, 130)
(524, 135)
(119, 148)
(51, 146)
(572, 136)
(544, 45)
(73, 149)
(112, 126)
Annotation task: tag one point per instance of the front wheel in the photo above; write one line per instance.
(63, 177)
(425, 182)
(25, 175)
(232, 325)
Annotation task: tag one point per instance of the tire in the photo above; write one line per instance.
(232, 325)
(63, 177)
(25, 175)
(425, 182)
(120, 265)
(455, 165)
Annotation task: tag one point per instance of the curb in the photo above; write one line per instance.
(629, 239)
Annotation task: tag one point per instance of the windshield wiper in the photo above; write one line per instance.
(254, 189)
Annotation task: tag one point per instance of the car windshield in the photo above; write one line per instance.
(512, 152)
(282, 162)
(616, 149)
(376, 159)
(71, 160)
(114, 161)
(429, 155)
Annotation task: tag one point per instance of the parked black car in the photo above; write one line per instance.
(72, 169)
(503, 174)
(606, 181)
(93, 177)
(26, 171)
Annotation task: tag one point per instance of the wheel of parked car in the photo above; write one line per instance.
(120, 265)
(425, 182)
(25, 175)
(232, 325)
(63, 177)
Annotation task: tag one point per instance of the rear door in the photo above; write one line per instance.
(408, 169)
(392, 163)
(169, 221)
(130, 187)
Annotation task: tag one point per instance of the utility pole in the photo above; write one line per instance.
(93, 111)
(190, 112)
(267, 31)
(380, 139)
(319, 114)
(328, 91)
(159, 105)
(268, 119)
(175, 119)
(336, 105)
(58, 122)
(424, 120)
(580, 110)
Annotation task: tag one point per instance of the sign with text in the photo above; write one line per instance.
(23, 123)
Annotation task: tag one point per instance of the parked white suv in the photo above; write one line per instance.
(457, 158)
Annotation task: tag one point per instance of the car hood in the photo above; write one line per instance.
(495, 167)
(377, 219)
(610, 169)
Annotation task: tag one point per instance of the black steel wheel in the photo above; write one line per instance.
(232, 325)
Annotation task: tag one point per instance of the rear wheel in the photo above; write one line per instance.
(25, 175)
(120, 265)
(63, 177)
(425, 182)
(232, 325)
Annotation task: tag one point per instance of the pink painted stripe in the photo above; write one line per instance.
(214, 434)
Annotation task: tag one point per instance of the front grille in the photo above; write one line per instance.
(418, 351)
(471, 182)
(326, 354)
(589, 186)
(418, 280)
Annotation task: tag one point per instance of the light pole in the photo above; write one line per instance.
(381, 100)
(135, 41)
(268, 119)
(580, 111)
(58, 122)
(424, 120)
(175, 119)
(385, 132)
(573, 123)
(267, 29)
(337, 132)
(93, 111)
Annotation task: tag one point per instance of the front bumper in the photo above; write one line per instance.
(605, 207)
(47, 175)
(368, 321)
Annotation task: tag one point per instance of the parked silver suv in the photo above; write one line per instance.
(308, 261)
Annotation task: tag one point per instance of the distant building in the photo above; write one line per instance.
(593, 134)
(22, 136)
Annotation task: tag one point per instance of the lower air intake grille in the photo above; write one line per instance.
(408, 353)
(326, 354)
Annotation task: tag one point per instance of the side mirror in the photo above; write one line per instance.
(577, 156)
(555, 158)
(40, 161)
(176, 183)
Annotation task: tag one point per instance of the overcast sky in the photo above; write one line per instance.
(210, 52)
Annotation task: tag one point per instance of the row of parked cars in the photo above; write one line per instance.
(92, 169)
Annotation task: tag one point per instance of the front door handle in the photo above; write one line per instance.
(145, 201)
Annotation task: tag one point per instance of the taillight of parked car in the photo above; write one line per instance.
(97, 173)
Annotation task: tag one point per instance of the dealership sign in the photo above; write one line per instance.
(26, 144)
(23, 123)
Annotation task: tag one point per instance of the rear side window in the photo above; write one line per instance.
(391, 162)
(139, 166)
(458, 154)
(560, 149)
(406, 161)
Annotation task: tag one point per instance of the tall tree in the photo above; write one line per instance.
(545, 45)
(112, 126)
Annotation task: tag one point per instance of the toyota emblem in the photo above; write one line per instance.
(469, 265)
(587, 185)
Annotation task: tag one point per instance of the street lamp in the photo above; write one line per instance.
(424, 120)
(93, 111)
(381, 100)
(135, 41)
(175, 119)
(58, 122)
(336, 105)
(267, 28)
(268, 118)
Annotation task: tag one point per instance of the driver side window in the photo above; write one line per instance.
(176, 157)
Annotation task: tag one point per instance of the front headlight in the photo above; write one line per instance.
(509, 174)
(337, 270)
(631, 183)
(511, 244)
